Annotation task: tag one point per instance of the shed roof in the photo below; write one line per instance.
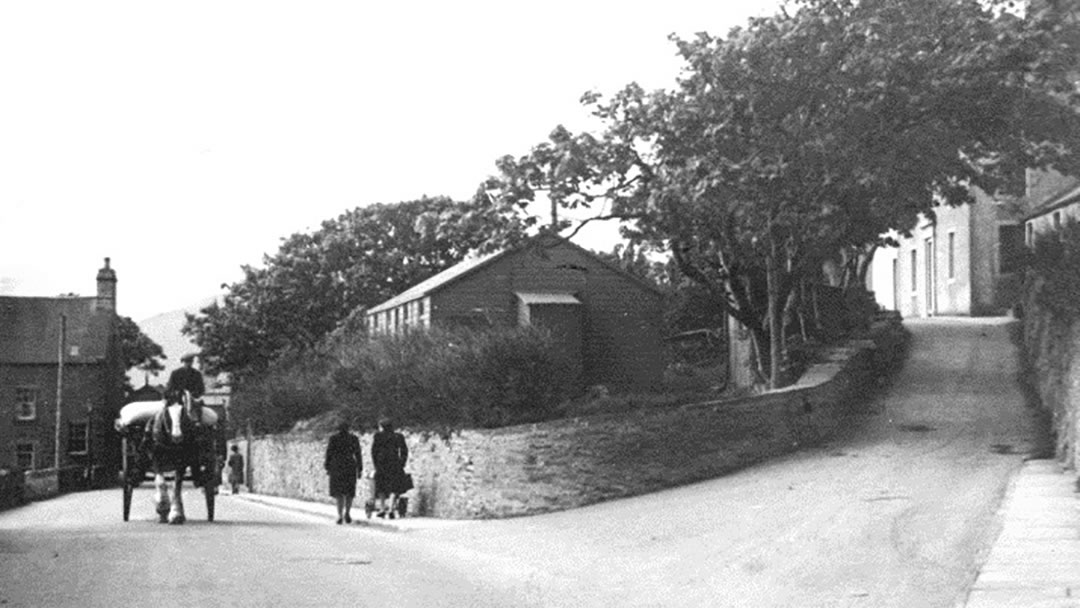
(471, 265)
(432, 283)
(30, 330)
(547, 298)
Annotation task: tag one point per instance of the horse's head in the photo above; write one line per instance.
(183, 416)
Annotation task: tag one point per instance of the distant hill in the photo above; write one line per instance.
(164, 329)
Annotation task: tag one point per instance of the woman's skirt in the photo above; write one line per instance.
(343, 483)
(390, 481)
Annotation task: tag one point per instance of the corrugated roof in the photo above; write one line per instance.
(547, 298)
(429, 285)
(30, 330)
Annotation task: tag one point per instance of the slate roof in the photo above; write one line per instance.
(1061, 199)
(30, 330)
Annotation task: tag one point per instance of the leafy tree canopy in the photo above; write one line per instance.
(316, 280)
(815, 131)
(137, 349)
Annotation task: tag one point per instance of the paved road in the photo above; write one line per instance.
(899, 513)
(76, 551)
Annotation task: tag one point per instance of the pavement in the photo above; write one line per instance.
(1035, 560)
(329, 511)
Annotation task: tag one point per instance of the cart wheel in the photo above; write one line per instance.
(127, 500)
(210, 491)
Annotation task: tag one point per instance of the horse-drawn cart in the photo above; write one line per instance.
(195, 458)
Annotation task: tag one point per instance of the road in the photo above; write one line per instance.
(75, 550)
(899, 512)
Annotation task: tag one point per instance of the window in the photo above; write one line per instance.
(420, 308)
(1010, 247)
(26, 398)
(1057, 220)
(914, 270)
(1029, 235)
(24, 455)
(78, 438)
(952, 255)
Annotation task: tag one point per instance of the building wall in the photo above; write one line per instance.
(883, 277)
(85, 400)
(964, 274)
(623, 345)
(1048, 222)
(955, 260)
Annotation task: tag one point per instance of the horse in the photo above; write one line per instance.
(176, 438)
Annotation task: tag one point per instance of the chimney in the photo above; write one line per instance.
(106, 288)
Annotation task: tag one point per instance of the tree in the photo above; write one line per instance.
(137, 349)
(316, 280)
(807, 135)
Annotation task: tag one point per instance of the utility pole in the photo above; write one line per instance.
(59, 391)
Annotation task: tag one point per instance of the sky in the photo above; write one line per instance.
(184, 140)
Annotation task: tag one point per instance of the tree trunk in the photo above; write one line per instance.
(772, 284)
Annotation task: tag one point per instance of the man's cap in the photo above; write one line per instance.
(189, 357)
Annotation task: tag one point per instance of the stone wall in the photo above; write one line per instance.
(573, 462)
(41, 484)
(1052, 369)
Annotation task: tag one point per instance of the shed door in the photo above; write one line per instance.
(566, 327)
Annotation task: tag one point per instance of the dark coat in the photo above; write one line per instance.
(389, 453)
(344, 462)
(236, 468)
(185, 379)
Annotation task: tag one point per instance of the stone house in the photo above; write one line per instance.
(1053, 199)
(606, 322)
(964, 261)
(61, 349)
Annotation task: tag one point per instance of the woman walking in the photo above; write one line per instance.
(344, 463)
(389, 454)
(236, 470)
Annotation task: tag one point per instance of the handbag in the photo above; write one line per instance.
(406, 483)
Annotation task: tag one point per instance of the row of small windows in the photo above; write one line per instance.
(409, 314)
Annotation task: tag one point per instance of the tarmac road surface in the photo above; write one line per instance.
(900, 512)
(75, 550)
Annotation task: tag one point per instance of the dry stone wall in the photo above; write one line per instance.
(573, 462)
(1051, 345)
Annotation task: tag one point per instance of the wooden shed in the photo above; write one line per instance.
(606, 322)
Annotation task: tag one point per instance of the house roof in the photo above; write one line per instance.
(472, 265)
(30, 330)
(1067, 197)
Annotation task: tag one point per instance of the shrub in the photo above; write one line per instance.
(1055, 265)
(456, 378)
(295, 387)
